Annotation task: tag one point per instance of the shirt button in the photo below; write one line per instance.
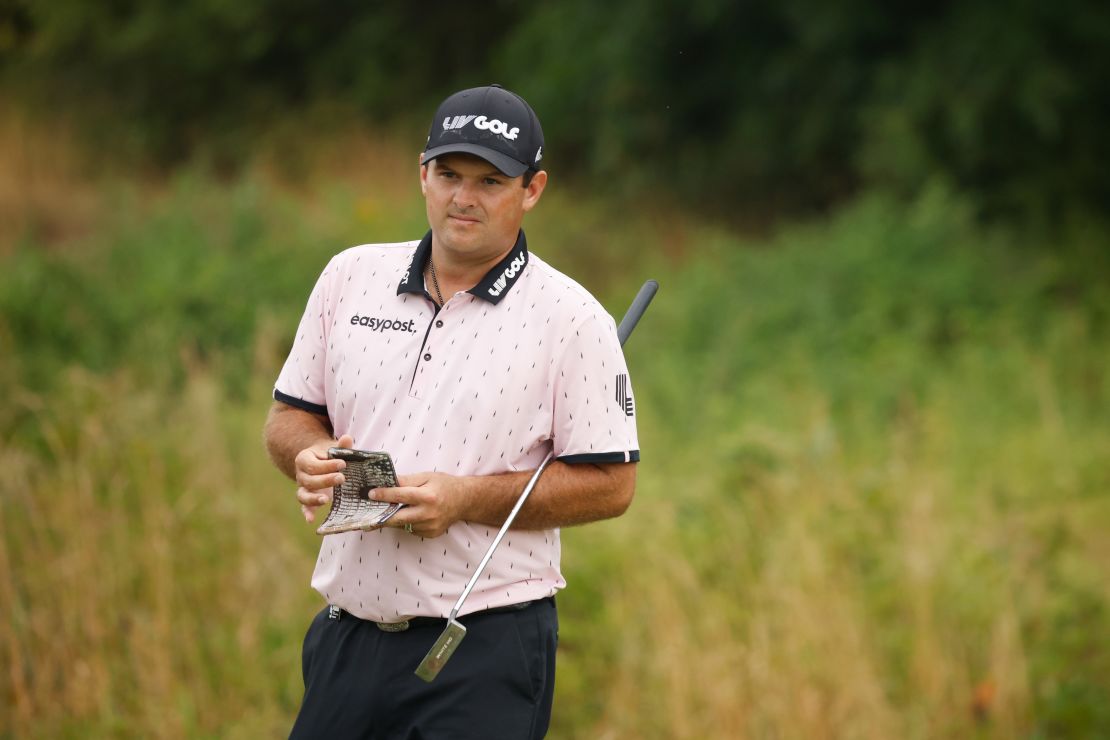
(427, 356)
(439, 324)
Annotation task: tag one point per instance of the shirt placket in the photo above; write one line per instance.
(435, 340)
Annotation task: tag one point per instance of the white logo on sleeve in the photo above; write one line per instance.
(624, 395)
(481, 122)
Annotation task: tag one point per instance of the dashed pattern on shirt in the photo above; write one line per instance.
(473, 389)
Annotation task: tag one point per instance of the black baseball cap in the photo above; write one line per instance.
(489, 122)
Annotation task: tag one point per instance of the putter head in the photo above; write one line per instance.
(441, 651)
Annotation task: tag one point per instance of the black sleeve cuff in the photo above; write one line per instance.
(312, 408)
(601, 457)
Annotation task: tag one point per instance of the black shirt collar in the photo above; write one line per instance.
(492, 288)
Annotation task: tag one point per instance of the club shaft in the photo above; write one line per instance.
(501, 534)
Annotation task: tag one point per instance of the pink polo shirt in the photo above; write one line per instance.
(525, 362)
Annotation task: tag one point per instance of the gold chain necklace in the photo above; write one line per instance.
(435, 280)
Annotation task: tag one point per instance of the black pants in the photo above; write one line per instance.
(359, 680)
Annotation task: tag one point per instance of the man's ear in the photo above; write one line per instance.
(423, 174)
(534, 190)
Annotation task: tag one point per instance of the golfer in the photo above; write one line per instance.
(468, 359)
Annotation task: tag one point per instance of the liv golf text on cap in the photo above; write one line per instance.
(489, 122)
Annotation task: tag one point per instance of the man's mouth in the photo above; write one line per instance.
(461, 217)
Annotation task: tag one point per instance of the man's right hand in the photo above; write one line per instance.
(317, 474)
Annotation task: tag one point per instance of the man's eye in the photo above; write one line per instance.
(492, 181)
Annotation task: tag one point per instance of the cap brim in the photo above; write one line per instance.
(504, 163)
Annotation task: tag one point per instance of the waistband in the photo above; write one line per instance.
(335, 612)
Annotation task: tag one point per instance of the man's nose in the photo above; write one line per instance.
(466, 194)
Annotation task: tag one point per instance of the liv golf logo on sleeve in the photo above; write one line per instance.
(624, 398)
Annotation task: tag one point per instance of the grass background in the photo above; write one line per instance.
(873, 503)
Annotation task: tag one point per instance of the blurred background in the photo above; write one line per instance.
(873, 392)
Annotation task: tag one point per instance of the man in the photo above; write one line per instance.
(468, 359)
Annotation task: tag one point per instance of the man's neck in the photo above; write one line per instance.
(455, 275)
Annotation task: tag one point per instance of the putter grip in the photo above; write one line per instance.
(636, 310)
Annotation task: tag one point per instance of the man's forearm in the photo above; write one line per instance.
(564, 495)
(289, 430)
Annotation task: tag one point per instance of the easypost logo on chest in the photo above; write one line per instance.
(507, 274)
(481, 122)
(374, 323)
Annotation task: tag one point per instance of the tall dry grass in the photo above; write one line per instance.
(155, 574)
(788, 583)
(151, 569)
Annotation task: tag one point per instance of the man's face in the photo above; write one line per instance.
(474, 210)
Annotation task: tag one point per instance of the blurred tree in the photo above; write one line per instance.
(1009, 104)
(186, 69)
(796, 104)
(777, 107)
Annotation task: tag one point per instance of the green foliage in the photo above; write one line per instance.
(873, 305)
(196, 280)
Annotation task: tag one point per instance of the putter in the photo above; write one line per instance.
(453, 634)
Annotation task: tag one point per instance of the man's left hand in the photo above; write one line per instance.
(433, 502)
